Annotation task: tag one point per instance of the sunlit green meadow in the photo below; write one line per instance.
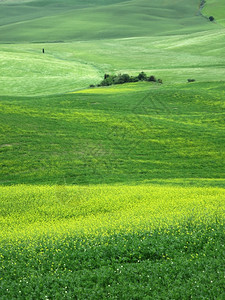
(65, 67)
(172, 42)
(111, 192)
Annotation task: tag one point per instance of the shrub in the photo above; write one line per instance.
(109, 80)
(142, 76)
(152, 78)
(124, 78)
(134, 79)
(211, 18)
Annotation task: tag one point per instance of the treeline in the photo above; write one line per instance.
(124, 78)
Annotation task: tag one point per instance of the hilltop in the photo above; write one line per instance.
(63, 21)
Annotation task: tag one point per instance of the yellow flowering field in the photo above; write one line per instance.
(30, 211)
(111, 241)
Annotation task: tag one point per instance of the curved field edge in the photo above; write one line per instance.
(65, 67)
(27, 71)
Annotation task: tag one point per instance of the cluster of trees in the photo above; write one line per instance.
(124, 78)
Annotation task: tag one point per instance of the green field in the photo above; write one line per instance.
(112, 192)
(215, 8)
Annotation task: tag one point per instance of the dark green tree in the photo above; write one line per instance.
(152, 78)
(142, 76)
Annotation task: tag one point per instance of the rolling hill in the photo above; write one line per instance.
(53, 21)
(172, 41)
(112, 192)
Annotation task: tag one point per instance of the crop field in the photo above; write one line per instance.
(112, 192)
(107, 135)
(112, 241)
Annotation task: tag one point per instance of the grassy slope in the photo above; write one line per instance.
(133, 18)
(14, 12)
(196, 49)
(113, 135)
(65, 67)
(148, 232)
(216, 9)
